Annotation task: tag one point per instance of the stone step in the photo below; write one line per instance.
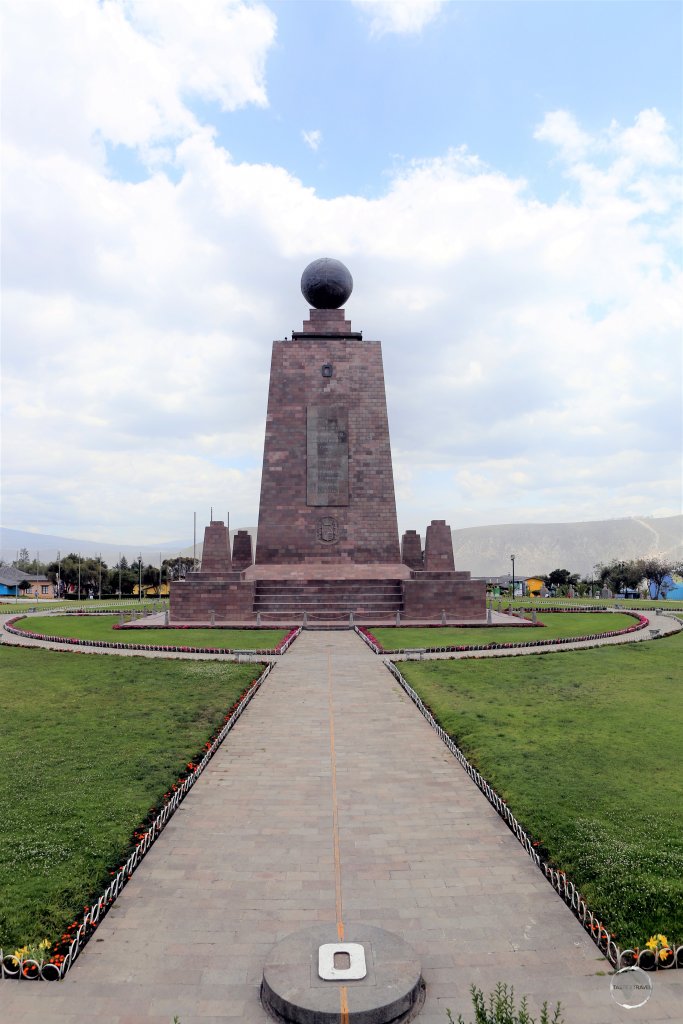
(326, 586)
(326, 595)
(346, 606)
(327, 599)
(314, 615)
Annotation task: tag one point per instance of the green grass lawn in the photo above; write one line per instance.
(87, 746)
(586, 748)
(11, 607)
(600, 602)
(557, 625)
(101, 627)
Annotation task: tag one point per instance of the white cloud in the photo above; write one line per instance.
(531, 350)
(120, 71)
(561, 128)
(217, 48)
(647, 141)
(312, 138)
(402, 17)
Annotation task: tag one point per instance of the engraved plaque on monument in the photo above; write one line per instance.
(327, 455)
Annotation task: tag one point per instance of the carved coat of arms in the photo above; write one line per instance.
(328, 529)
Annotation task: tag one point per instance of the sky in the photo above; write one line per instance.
(502, 179)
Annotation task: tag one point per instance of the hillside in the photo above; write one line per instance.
(542, 547)
(484, 550)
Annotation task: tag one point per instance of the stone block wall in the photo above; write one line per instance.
(242, 555)
(460, 599)
(438, 555)
(411, 550)
(193, 599)
(320, 503)
(216, 550)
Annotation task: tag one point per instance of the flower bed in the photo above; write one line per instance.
(63, 953)
(372, 641)
(284, 644)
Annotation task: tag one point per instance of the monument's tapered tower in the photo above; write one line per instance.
(327, 489)
(327, 547)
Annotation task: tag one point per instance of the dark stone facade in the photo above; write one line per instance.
(327, 542)
(321, 501)
(242, 555)
(411, 550)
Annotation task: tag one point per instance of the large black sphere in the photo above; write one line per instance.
(326, 284)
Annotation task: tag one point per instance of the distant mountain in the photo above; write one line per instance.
(484, 550)
(542, 547)
(48, 546)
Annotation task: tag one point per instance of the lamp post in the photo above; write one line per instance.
(140, 578)
(512, 559)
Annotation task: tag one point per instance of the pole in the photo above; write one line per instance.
(512, 557)
(140, 578)
(160, 575)
(79, 575)
(119, 575)
(194, 543)
(59, 574)
(99, 572)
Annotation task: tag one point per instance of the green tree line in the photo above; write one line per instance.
(93, 576)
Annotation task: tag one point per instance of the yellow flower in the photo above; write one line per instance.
(652, 943)
(663, 941)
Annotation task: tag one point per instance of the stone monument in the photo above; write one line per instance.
(328, 542)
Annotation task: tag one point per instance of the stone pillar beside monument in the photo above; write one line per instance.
(411, 550)
(438, 587)
(242, 555)
(217, 593)
(438, 555)
(216, 557)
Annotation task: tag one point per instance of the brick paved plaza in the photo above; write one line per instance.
(250, 857)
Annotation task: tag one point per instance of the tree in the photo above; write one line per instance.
(150, 576)
(177, 568)
(22, 561)
(127, 577)
(620, 575)
(89, 573)
(655, 571)
(561, 579)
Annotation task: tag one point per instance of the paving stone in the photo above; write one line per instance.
(250, 859)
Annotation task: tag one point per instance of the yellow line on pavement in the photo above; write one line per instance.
(343, 993)
(335, 811)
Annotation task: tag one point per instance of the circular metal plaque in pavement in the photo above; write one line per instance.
(371, 977)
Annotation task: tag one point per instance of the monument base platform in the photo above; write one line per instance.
(286, 594)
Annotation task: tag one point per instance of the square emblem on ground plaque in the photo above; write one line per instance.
(353, 969)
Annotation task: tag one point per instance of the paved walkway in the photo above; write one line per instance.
(664, 624)
(272, 840)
